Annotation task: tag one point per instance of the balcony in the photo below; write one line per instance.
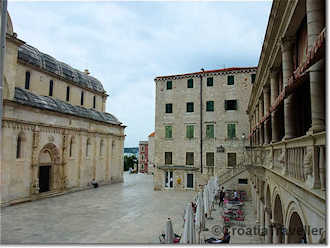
(300, 160)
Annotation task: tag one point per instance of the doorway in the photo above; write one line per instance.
(169, 179)
(44, 178)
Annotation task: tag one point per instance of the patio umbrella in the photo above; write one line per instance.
(169, 234)
(206, 199)
(199, 217)
(189, 235)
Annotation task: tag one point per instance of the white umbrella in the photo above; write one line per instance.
(169, 234)
(199, 217)
(206, 199)
(189, 235)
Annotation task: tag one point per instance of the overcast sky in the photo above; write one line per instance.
(127, 44)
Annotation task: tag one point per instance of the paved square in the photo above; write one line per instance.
(131, 212)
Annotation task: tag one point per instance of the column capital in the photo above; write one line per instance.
(287, 42)
(266, 89)
(273, 71)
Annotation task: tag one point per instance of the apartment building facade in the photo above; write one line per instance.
(143, 157)
(200, 125)
(287, 125)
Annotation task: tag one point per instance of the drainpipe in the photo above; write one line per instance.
(201, 119)
(2, 54)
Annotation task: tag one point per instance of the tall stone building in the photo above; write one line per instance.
(56, 135)
(200, 125)
(143, 156)
(287, 123)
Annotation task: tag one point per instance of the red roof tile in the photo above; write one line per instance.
(152, 134)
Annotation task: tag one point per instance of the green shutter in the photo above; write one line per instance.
(210, 106)
(190, 131)
(210, 81)
(230, 80)
(190, 83)
(168, 132)
(231, 131)
(169, 85)
(190, 107)
(210, 131)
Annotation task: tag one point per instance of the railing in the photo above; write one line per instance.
(301, 159)
(229, 173)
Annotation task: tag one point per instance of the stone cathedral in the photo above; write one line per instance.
(56, 135)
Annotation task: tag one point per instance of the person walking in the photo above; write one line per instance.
(222, 196)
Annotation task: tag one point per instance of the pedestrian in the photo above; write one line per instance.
(94, 183)
(236, 195)
(222, 196)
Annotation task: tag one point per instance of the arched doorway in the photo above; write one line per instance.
(48, 171)
(296, 233)
(278, 220)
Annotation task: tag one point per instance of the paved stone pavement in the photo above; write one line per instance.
(129, 212)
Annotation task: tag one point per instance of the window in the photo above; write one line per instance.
(101, 148)
(168, 132)
(142, 148)
(231, 159)
(88, 144)
(230, 104)
(242, 181)
(51, 85)
(190, 131)
(190, 107)
(231, 131)
(71, 144)
(168, 108)
(27, 80)
(190, 83)
(253, 78)
(209, 82)
(210, 131)
(230, 80)
(82, 98)
(94, 101)
(68, 93)
(190, 181)
(210, 159)
(19, 147)
(169, 179)
(210, 106)
(189, 158)
(169, 85)
(142, 158)
(168, 157)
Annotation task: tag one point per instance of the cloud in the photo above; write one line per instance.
(127, 44)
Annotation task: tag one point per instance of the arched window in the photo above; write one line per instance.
(82, 98)
(19, 147)
(27, 80)
(101, 148)
(68, 93)
(94, 101)
(88, 144)
(71, 144)
(51, 85)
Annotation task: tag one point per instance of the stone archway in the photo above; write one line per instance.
(49, 172)
(278, 236)
(296, 233)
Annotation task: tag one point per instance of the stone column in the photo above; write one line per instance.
(274, 87)
(261, 112)
(266, 93)
(275, 233)
(262, 217)
(257, 206)
(289, 103)
(315, 23)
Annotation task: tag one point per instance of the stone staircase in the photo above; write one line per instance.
(230, 173)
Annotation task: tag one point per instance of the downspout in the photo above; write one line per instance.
(201, 120)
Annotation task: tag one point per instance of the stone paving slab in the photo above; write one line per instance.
(129, 212)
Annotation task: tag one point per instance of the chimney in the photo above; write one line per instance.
(87, 72)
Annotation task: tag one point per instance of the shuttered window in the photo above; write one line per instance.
(168, 108)
(190, 131)
(168, 157)
(82, 98)
(190, 107)
(230, 104)
(189, 158)
(210, 131)
(190, 83)
(230, 80)
(209, 82)
(51, 86)
(27, 80)
(231, 131)
(168, 132)
(68, 93)
(253, 78)
(231, 157)
(169, 85)
(190, 180)
(210, 159)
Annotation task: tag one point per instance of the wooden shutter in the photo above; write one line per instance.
(190, 131)
(190, 180)
(210, 159)
(231, 131)
(210, 131)
(168, 132)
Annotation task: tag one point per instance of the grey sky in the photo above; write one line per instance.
(127, 44)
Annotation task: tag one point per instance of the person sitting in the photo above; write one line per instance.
(224, 240)
(235, 196)
(94, 183)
